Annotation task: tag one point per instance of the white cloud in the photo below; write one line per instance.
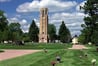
(75, 33)
(73, 24)
(63, 15)
(23, 23)
(5, 14)
(5, 0)
(72, 20)
(38, 24)
(25, 28)
(13, 20)
(52, 5)
(18, 15)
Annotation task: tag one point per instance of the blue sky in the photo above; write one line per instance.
(24, 11)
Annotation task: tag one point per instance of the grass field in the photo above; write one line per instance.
(35, 46)
(69, 57)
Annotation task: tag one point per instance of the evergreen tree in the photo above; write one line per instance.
(52, 32)
(33, 32)
(89, 30)
(94, 37)
(64, 33)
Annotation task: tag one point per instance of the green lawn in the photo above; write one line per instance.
(69, 57)
(36, 46)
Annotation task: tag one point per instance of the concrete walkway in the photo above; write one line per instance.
(78, 47)
(8, 54)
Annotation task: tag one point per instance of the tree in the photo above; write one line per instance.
(91, 9)
(64, 33)
(25, 37)
(15, 31)
(83, 37)
(3, 21)
(52, 32)
(33, 32)
(1, 36)
(94, 37)
(3, 26)
(5, 35)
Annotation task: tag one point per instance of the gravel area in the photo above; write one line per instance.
(8, 54)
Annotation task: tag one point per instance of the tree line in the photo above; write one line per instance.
(13, 32)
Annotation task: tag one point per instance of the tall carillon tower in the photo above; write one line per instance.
(43, 34)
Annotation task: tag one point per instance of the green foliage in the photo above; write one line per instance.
(5, 35)
(64, 33)
(94, 37)
(81, 38)
(3, 21)
(84, 37)
(9, 32)
(3, 26)
(33, 32)
(52, 32)
(15, 32)
(25, 37)
(1, 36)
(91, 9)
(36, 46)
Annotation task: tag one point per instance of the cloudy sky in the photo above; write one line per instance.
(24, 11)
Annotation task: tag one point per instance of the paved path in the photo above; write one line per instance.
(78, 47)
(8, 54)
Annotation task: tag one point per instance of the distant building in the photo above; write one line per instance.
(75, 40)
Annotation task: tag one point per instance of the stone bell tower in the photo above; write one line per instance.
(43, 35)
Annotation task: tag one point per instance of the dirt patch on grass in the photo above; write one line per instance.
(8, 54)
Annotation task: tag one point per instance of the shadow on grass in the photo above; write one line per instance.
(61, 61)
(1, 51)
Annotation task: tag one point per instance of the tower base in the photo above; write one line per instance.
(43, 38)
